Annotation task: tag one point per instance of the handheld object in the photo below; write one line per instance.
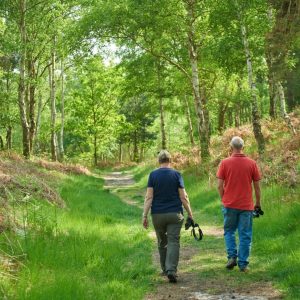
(190, 223)
(257, 212)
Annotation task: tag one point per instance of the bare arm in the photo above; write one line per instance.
(148, 201)
(221, 187)
(147, 205)
(257, 193)
(185, 201)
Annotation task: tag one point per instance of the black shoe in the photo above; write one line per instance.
(231, 263)
(244, 269)
(172, 277)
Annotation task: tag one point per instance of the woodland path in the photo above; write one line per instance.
(191, 283)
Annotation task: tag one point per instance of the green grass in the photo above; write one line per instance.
(97, 250)
(141, 173)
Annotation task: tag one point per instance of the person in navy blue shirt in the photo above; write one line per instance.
(165, 197)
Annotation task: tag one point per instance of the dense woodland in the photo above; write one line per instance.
(107, 84)
(96, 80)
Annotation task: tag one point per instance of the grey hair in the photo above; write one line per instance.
(164, 157)
(237, 143)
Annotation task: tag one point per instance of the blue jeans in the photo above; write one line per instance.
(241, 220)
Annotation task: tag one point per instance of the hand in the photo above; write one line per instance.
(145, 222)
(257, 205)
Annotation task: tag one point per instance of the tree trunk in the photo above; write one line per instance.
(271, 79)
(284, 114)
(237, 121)
(245, 115)
(221, 116)
(31, 104)
(38, 122)
(206, 113)
(162, 124)
(9, 137)
(135, 148)
(95, 150)
(142, 153)
(9, 126)
(272, 94)
(53, 103)
(1, 143)
(120, 153)
(254, 106)
(61, 134)
(161, 106)
(21, 92)
(230, 118)
(195, 82)
(189, 120)
(238, 109)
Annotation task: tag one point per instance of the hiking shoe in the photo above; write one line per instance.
(231, 263)
(244, 270)
(172, 277)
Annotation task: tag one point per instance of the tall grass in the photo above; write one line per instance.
(96, 250)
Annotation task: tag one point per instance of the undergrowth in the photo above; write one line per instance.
(93, 249)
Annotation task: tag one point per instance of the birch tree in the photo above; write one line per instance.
(21, 96)
(254, 106)
(52, 88)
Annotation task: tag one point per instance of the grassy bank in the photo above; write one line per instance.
(275, 254)
(94, 249)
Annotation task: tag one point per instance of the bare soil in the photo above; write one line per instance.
(191, 285)
(118, 179)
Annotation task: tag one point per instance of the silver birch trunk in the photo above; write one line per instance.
(162, 124)
(283, 112)
(38, 121)
(161, 107)
(271, 75)
(21, 92)
(189, 120)
(53, 103)
(203, 126)
(254, 105)
(61, 134)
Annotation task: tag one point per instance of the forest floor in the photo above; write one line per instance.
(202, 273)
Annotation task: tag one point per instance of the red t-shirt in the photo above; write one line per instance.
(238, 173)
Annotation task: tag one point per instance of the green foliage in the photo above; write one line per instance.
(93, 106)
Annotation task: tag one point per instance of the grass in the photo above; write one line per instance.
(96, 249)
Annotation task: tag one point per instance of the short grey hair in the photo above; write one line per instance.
(164, 157)
(237, 143)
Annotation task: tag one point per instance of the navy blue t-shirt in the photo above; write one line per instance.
(165, 183)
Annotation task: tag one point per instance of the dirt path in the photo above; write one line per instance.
(196, 263)
(118, 179)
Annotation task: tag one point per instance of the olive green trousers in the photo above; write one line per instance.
(167, 227)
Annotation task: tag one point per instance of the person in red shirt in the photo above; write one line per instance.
(236, 175)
